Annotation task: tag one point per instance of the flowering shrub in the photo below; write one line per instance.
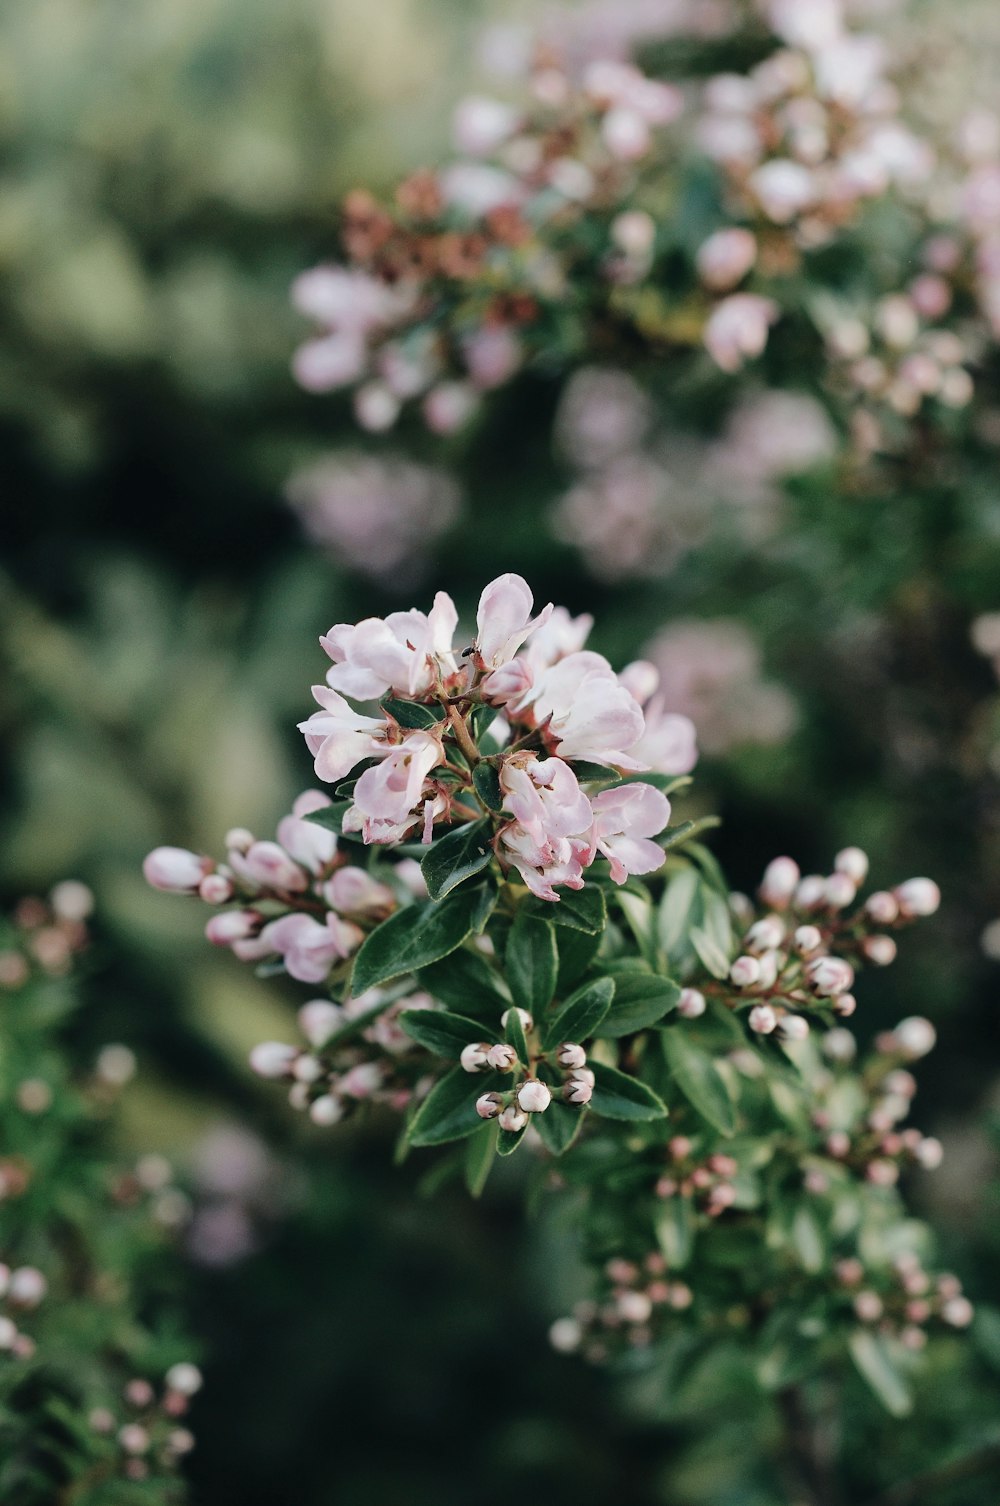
(93, 1402)
(567, 969)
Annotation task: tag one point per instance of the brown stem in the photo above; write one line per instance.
(462, 734)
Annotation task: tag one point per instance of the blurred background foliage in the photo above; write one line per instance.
(166, 170)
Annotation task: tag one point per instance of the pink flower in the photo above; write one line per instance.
(548, 841)
(556, 637)
(726, 258)
(737, 329)
(624, 821)
(670, 742)
(480, 125)
(352, 891)
(338, 737)
(174, 869)
(311, 845)
(589, 713)
(504, 619)
(310, 947)
(386, 796)
(268, 866)
(408, 652)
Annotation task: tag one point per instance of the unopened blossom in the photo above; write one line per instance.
(489, 1105)
(726, 258)
(691, 1005)
(745, 972)
(915, 1036)
(625, 821)
(473, 1057)
(481, 124)
(918, 897)
(829, 975)
(504, 619)
(737, 329)
(318, 1020)
(273, 1058)
(310, 947)
(353, 891)
(533, 1096)
(407, 652)
(174, 869)
(762, 1019)
(570, 1055)
(578, 1089)
(266, 865)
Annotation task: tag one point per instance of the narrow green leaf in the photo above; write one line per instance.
(870, 1354)
(577, 910)
(710, 952)
(641, 1000)
(699, 1079)
(467, 983)
(444, 1033)
(330, 817)
(618, 1096)
(531, 962)
(577, 950)
(559, 1126)
(481, 720)
(509, 1140)
(487, 785)
(514, 1035)
(592, 773)
(415, 936)
(449, 1110)
(480, 1154)
(579, 1016)
(675, 1231)
(455, 857)
(675, 912)
(677, 836)
(411, 714)
(808, 1241)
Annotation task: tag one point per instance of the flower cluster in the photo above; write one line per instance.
(21, 1290)
(141, 1435)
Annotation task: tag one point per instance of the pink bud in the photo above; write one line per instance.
(232, 925)
(844, 1005)
(726, 258)
(745, 972)
(915, 1036)
(882, 907)
(882, 1173)
(238, 839)
(362, 1081)
(215, 889)
(764, 935)
(375, 407)
(811, 892)
(512, 1118)
(626, 135)
(184, 1377)
(527, 1023)
(174, 869)
(807, 939)
(326, 1111)
(577, 1090)
(879, 950)
(501, 1057)
(318, 1020)
(448, 406)
(508, 683)
(929, 1153)
(679, 1147)
(958, 1311)
(27, 1287)
(838, 1144)
(570, 1055)
(829, 975)
(794, 1027)
(840, 891)
(634, 232)
(273, 1059)
(854, 862)
(779, 882)
(918, 897)
(691, 1004)
(634, 1307)
(474, 1057)
(489, 1105)
(868, 1306)
(762, 1019)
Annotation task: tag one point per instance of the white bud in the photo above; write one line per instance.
(215, 889)
(829, 975)
(853, 862)
(527, 1023)
(794, 1027)
(770, 965)
(808, 939)
(918, 897)
(318, 1020)
(308, 1069)
(184, 1377)
(840, 891)
(570, 1055)
(634, 1307)
(882, 907)
(879, 950)
(915, 1036)
(633, 232)
(780, 879)
(577, 1090)
(27, 1287)
(362, 1080)
(840, 1046)
(115, 1065)
(929, 1153)
(744, 972)
(501, 1057)
(8, 1332)
(811, 892)
(566, 1335)
(762, 1019)
(868, 1306)
(232, 925)
(473, 1057)
(533, 1096)
(238, 839)
(298, 1097)
(71, 900)
(326, 1110)
(844, 1005)
(691, 1004)
(512, 1118)
(764, 935)
(273, 1059)
(173, 869)
(958, 1311)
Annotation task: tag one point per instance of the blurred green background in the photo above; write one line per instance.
(166, 171)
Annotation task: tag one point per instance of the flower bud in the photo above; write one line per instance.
(726, 258)
(273, 1059)
(634, 1307)
(829, 975)
(173, 869)
(958, 1311)
(133, 1438)
(215, 889)
(318, 1020)
(474, 1057)
(362, 1081)
(838, 1143)
(566, 1335)
(527, 1023)
(844, 1005)
(489, 1105)
(879, 950)
(901, 1083)
(27, 1287)
(811, 892)
(849, 1271)
(840, 891)
(576, 1089)
(512, 1118)
(868, 1306)
(501, 1057)
(794, 1027)
(232, 925)
(238, 839)
(634, 232)
(778, 884)
(691, 1004)
(853, 862)
(882, 1173)
(679, 1147)
(915, 1037)
(807, 939)
(269, 865)
(882, 907)
(770, 964)
(840, 1046)
(307, 1069)
(912, 1337)
(929, 1153)
(508, 683)
(744, 972)
(326, 1110)
(184, 1377)
(533, 1096)
(764, 935)
(917, 897)
(762, 1019)
(569, 1055)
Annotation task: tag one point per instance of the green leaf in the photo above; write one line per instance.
(589, 773)
(641, 999)
(531, 962)
(481, 720)
(871, 1355)
(455, 857)
(509, 1140)
(618, 1096)
(675, 1230)
(443, 1033)
(709, 952)
(416, 936)
(480, 1153)
(487, 785)
(449, 1110)
(637, 909)
(466, 983)
(578, 910)
(578, 1017)
(559, 1126)
(807, 1239)
(676, 907)
(411, 714)
(330, 817)
(699, 1079)
(676, 836)
(577, 950)
(514, 1036)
